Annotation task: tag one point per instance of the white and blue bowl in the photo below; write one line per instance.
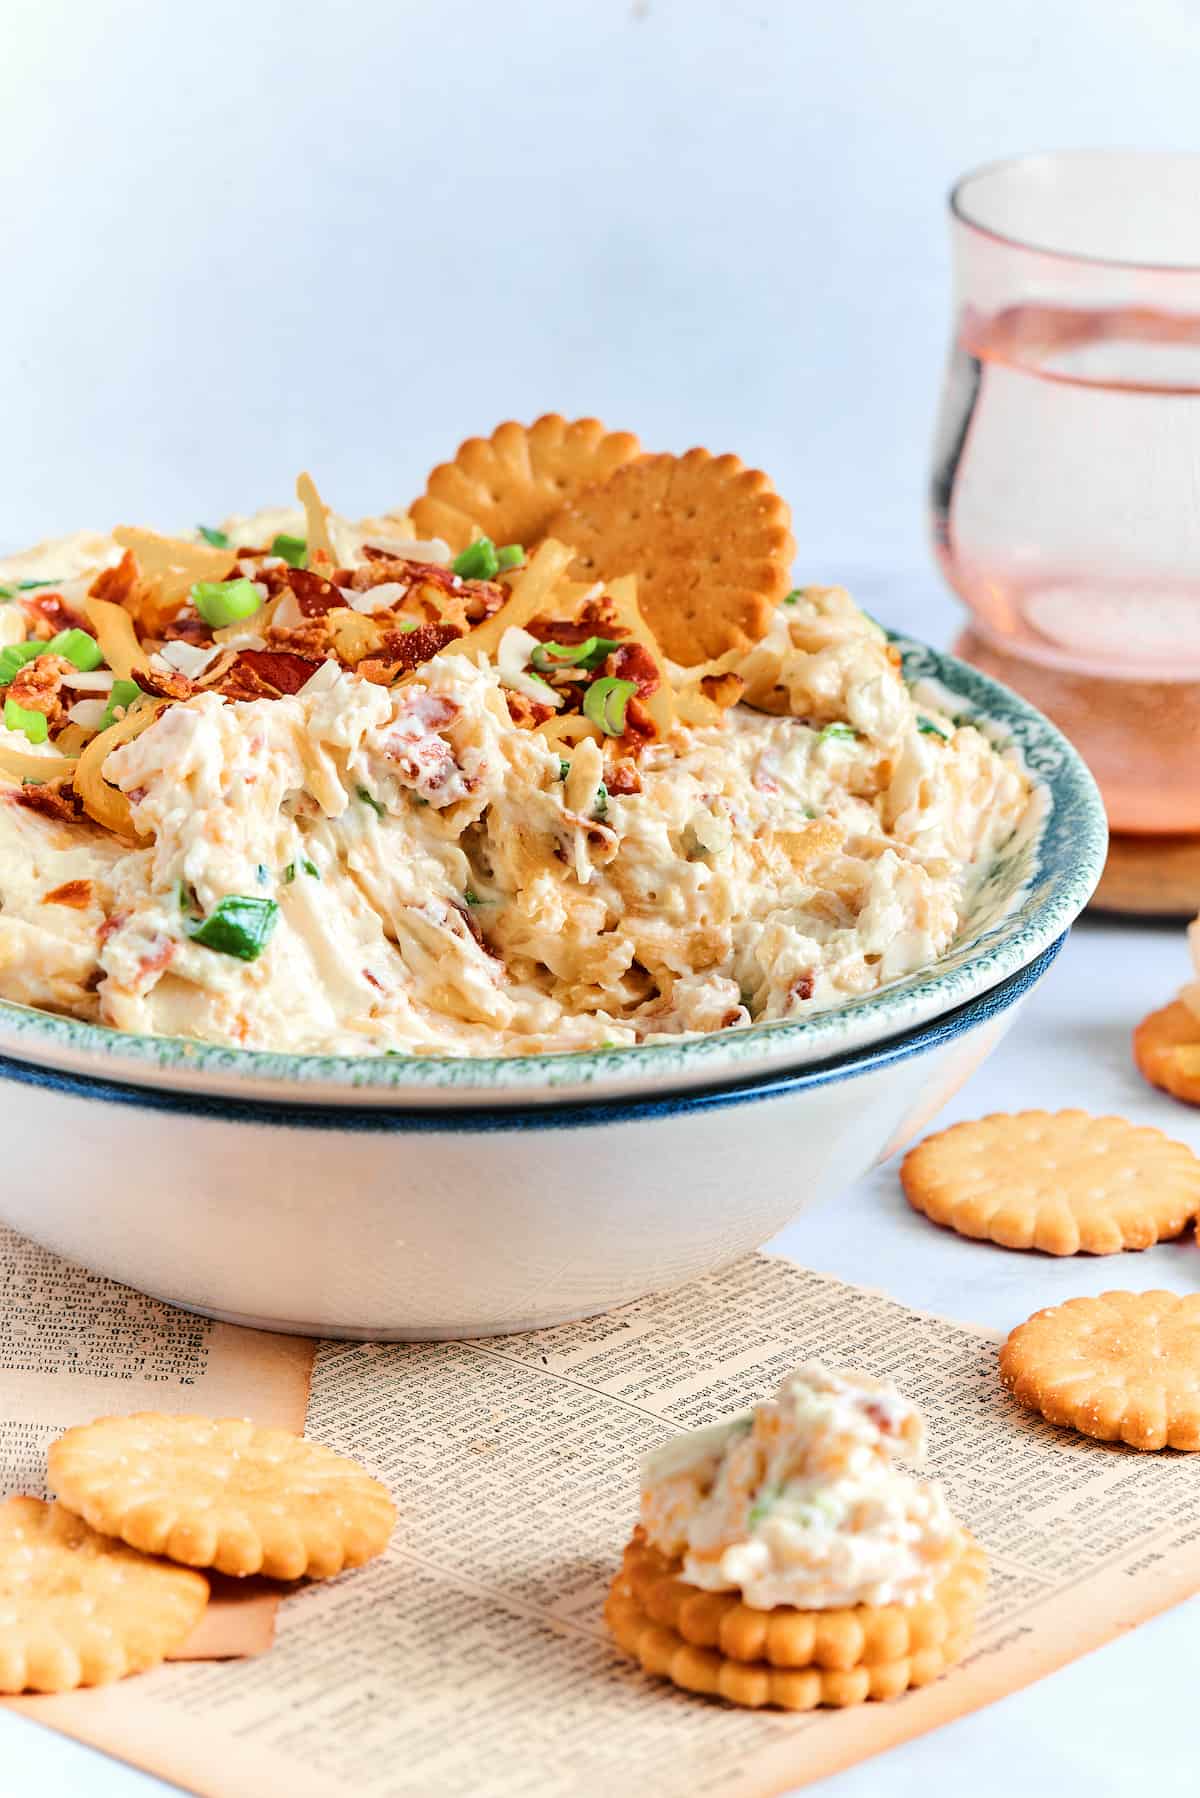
(410, 1223)
(416, 1197)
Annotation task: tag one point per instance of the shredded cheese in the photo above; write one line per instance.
(21, 766)
(317, 514)
(107, 804)
(116, 636)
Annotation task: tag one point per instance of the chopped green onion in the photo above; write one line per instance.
(294, 550)
(509, 555)
(261, 874)
(237, 925)
(28, 586)
(218, 539)
(122, 696)
(789, 599)
(225, 602)
(14, 657)
(472, 897)
(589, 654)
(408, 624)
(600, 809)
(928, 728)
(564, 768)
(311, 868)
(18, 717)
(368, 798)
(77, 647)
(605, 702)
(478, 562)
(7, 593)
(289, 874)
(840, 733)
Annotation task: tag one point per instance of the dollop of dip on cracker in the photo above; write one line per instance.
(801, 1500)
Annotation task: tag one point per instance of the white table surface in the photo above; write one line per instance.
(1121, 1721)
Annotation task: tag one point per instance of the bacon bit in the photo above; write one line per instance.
(763, 777)
(723, 689)
(314, 594)
(166, 683)
(313, 637)
(640, 727)
(276, 672)
(161, 958)
(37, 687)
(111, 925)
(402, 651)
(527, 713)
(75, 893)
(116, 584)
(800, 989)
(623, 778)
(191, 629)
(634, 662)
(598, 618)
(472, 924)
(275, 578)
(430, 710)
(410, 648)
(53, 798)
(49, 613)
(377, 984)
(383, 568)
(482, 599)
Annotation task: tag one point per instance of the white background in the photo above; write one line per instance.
(238, 239)
(246, 236)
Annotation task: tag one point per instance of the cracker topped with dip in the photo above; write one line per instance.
(786, 1558)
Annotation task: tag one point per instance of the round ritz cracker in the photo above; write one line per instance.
(714, 1643)
(709, 540)
(77, 1608)
(1064, 1182)
(509, 485)
(222, 1493)
(1122, 1367)
(1166, 1049)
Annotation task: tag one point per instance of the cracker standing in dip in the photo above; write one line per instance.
(786, 1558)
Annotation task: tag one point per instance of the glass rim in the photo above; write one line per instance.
(956, 204)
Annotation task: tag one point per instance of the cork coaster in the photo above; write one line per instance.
(709, 540)
(1123, 1367)
(1166, 1048)
(222, 1493)
(1064, 1182)
(713, 1643)
(509, 485)
(78, 1609)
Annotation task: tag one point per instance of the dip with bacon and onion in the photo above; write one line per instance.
(309, 785)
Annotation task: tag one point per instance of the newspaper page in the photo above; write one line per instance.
(473, 1658)
(74, 1346)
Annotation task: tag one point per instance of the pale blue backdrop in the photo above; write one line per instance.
(247, 236)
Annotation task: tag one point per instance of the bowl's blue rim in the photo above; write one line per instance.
(1072, 836)
(470, 1120)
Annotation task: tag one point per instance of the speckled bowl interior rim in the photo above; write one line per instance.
(1075, 806)
(492, 1119)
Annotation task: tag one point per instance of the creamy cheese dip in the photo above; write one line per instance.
(800, 1501)
(445, 878)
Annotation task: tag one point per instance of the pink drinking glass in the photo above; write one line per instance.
(1065, 494)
